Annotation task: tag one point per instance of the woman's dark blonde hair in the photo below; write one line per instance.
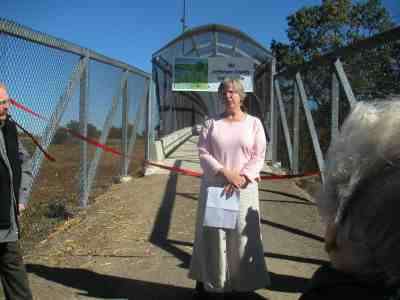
(237, 84)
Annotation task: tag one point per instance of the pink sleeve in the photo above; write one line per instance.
(253, 167)
(208, 163)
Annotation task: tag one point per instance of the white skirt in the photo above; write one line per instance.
(230, 259)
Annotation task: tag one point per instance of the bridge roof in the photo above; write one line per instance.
(213, 40)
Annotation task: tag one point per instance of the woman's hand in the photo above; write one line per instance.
(233, 178)
(230, 188)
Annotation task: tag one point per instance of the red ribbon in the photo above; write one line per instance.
(176, 169)
(274, 176)
(75, 134)
(198, 174)
(171, 168)
(22, 107)
(93, 142)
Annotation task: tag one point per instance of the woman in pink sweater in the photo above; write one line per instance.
(232, 151)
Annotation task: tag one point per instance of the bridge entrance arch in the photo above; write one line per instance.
(178, 110)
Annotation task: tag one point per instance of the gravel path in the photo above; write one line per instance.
(135, 242)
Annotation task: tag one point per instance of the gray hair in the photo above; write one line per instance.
(237, 84)
(361, 193)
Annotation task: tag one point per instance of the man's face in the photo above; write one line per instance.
(4, 104)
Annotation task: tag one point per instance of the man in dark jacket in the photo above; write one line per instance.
(15, 178)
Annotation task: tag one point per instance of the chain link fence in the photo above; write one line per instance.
(76, 92)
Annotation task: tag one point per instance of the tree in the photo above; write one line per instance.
(115, 133)
(316, 30)
(61, 136)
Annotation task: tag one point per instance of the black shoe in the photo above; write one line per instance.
(200, 291)
(199, 286)
(202, 294)
(240, 295)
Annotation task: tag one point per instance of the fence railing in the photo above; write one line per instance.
(312, 100)
(110, 101)
(76, 88)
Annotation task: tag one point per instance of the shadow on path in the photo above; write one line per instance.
(314, 261)
(293, 230)
(102, 286)
(191, 196)
(286, 195)
(287, 283)
(288, 202)
(159, 234)
(300, 259)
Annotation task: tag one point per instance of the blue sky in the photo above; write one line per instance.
(131, 30)
(127, 30)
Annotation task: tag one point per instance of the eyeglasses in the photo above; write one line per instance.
(230, 92)
(4, 101)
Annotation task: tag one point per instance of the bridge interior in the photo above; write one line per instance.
(182, 109)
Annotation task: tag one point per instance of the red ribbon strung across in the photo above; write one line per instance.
(198, 174)
(175, 169)
(47, 155)
(24, 108)
(93, 142)
(75, 134)
(171, 168)
(274, 176)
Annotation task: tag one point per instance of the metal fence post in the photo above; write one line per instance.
(273, 116)
(264, 97)
(138, 118)
(335, 106)
(284, 123)
(124, 139)
(296, 129)
(311, 126)
(55, 118)
(149, 123)
(104, 134)
(83, 113)
(345, 82)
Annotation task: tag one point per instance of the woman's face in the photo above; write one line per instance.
(231, 98)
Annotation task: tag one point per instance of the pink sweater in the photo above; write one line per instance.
(234, 145)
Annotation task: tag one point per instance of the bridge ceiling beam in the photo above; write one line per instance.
(214, 51)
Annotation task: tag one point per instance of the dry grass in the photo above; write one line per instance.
(54, 196)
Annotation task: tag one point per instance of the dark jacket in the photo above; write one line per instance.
(330, 284)
(15, 169)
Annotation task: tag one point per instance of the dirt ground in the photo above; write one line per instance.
(55, 191)
(136, 240)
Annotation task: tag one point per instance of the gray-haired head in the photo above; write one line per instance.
(237, 85)
(361, 194)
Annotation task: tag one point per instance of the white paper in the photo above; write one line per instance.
(218, 199)
(221, 210)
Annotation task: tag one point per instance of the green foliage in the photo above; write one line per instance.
(116, 132)
(317, 30)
